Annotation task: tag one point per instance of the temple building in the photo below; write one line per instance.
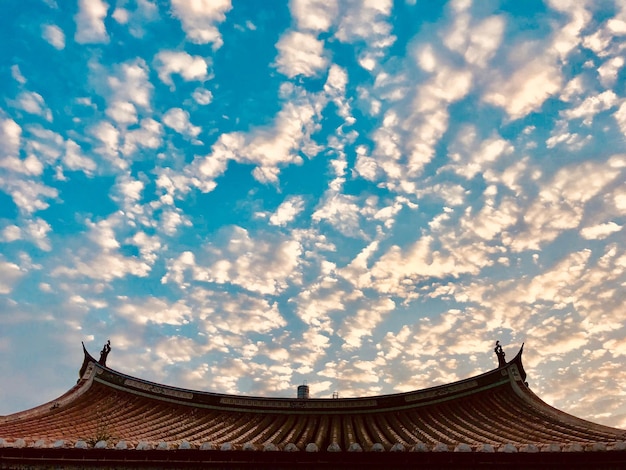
(112, 419)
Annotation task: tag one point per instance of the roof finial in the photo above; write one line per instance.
(500, 353)
(106, 349)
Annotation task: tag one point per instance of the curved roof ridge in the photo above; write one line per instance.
(124, 380)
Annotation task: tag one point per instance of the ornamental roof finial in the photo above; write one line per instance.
(500, 353)
(106, 349)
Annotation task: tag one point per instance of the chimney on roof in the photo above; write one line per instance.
(303, 392)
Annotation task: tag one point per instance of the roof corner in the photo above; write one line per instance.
(517, 360)
(87, 359)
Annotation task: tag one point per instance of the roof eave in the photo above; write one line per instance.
(517, 360)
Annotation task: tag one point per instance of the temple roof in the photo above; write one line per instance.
(488, 411)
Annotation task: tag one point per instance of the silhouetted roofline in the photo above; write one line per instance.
(513, 370)
(495, 408)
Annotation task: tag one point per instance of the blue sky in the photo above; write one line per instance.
(365, 195)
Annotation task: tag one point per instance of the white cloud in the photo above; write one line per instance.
(609, 70)
(10, 273)
(149, 246)
(477, 43)
(130, 188)
(592, 106)
(366, 166)
(45, 144)
(318, 301)
(619, 200)
(187, 66)
(363, 373)
(54, 35)
(357, 271)
(560, 204)
(620, 117)
(131, 83)
(364, 20)
(178, 119)
(122, 112)
(300, 54)
(237, 315)
(178, 349)
(492, 219)
(568, 36)
(102, 233)
(74, 159)
(314, 15)
(600, 231)
(148, 135)
(310, 349)
(331, 298)
(105, 265)
(36, 231)
(472, 156)
(573, 90)
(605, 39)
(367, 61)
(169, 183)
(32, 103)
(200, 17)
(90, 26)
(617, 24)
(616, 346)
(120, 15)
(28, 166)
(535, 67)
(28, 195)
(364, 322)
(155, 310)
(109, 137)
(204, 170)
(258, 265)
(178, 269)
(287, 211)
(17, 74)
(10, 233)
(525, 89)
(171, 219)
(10, 137)
(417, 118)
(145, 12)
(398, 268)
(202, 96)
(268, 147)
(561, 135)
(342, 212)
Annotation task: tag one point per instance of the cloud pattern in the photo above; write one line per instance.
(363, 195)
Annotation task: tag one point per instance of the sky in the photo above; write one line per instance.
(363, 195)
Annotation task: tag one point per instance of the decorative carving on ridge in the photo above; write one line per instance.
(442, 391)
(159, 390)
(500, 354)
(106, 349)
(260, 403)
